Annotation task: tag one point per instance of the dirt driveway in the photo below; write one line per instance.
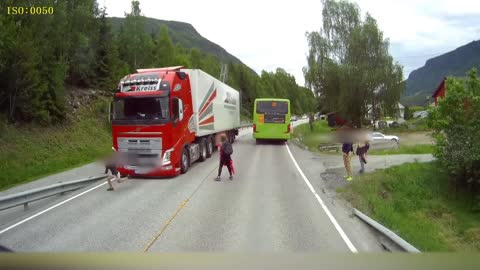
(415, 138)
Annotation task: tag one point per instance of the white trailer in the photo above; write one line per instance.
(216, 105)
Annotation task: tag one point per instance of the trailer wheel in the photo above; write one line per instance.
(209, 147)
(203, 149)
(184, 162)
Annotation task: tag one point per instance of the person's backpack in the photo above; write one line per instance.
(227, 148)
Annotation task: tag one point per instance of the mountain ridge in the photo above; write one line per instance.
(424, 80)
(181, 33)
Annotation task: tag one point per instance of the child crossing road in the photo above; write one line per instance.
(226, 151)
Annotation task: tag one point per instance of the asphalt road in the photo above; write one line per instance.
(271, 205)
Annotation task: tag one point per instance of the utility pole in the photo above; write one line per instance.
(224, 73)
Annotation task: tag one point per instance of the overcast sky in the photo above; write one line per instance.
(266, 34)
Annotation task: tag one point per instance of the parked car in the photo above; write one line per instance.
(379, 138)
(394, 124)
(293, 118)
(420, 114)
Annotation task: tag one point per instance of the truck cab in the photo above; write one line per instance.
(150, 113)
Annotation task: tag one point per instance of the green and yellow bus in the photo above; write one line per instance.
(271, 119)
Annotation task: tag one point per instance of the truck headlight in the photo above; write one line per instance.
(166, 157)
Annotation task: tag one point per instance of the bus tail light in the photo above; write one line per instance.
(254, 128)
(288, 128)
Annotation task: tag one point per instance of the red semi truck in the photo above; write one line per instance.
(164, 119)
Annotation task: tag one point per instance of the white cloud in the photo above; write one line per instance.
(271, 34)
(424, 29)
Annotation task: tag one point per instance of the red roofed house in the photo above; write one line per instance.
(440, 92)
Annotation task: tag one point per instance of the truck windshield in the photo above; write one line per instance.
(272, 107)
(154, 108)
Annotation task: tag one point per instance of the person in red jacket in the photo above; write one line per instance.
(225, 157)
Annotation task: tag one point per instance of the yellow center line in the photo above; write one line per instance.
(180, 207)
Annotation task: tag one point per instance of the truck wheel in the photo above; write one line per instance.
(209, 147)
(203, 149)
(184, 162)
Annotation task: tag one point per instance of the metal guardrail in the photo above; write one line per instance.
(330, 147)
(29, 196)
(391, 235)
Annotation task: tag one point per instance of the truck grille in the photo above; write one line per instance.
(141, 145)
(141, 151)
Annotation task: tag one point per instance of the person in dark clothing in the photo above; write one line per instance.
(225, 159)
(347, 149)
(362, 150)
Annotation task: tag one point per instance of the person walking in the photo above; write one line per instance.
(362, 149)
(226, 150)
(347, 149)
(112, 172)
(111, 164)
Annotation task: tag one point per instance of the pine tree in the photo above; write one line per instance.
(108, 66)
(81, 33)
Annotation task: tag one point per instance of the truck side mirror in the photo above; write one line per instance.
(180, 110)
(177, 109)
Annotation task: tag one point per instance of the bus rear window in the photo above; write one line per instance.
(272, 107)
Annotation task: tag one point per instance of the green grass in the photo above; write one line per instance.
(404, 149)
(29, 153)
(415, 201)
(312, 139)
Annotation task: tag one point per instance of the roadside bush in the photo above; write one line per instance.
(408, 114)
(456, 130)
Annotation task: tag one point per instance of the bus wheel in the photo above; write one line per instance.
(184, 162)
(203, 149)
(209, 147)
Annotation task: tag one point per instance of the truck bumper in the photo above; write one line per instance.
(284, 136)
(165, 171)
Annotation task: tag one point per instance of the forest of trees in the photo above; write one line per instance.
(42, 56)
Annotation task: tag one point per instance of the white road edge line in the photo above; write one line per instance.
(50, 208)
(324, 207)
